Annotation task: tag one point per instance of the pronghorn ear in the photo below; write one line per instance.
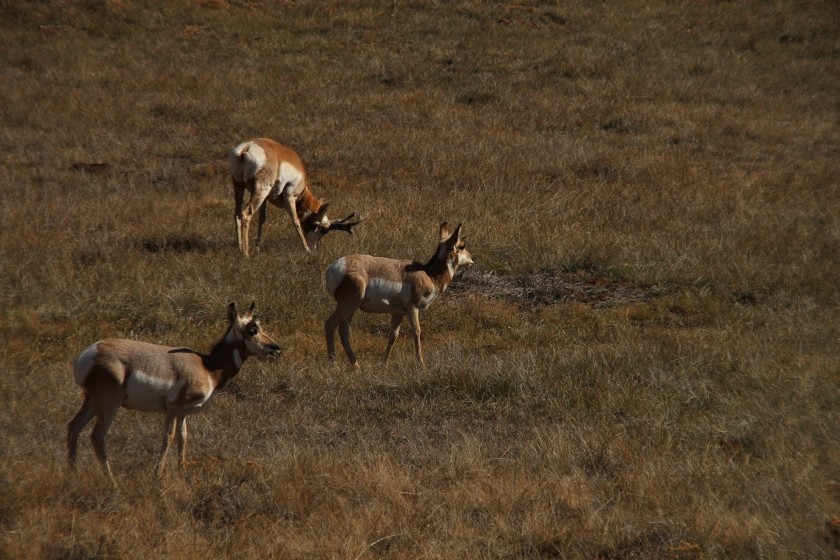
(454, 238)
(251, 310)
(231, 313)
(444, 232)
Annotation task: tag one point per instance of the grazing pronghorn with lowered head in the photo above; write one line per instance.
(154, 378)
(381, 285)
(273, 172)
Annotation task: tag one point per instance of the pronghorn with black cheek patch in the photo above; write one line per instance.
(270, 171)
(173, 381)
(398, 287)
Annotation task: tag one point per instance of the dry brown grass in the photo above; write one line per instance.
(644, 362)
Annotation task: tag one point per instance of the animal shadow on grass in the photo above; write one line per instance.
(178, 245)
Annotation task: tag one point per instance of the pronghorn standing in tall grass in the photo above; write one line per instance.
(273, 172)
(153, 378)
(398, 287)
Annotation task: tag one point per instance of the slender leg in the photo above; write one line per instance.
(414, 321)
(75, 427)
(238, 195)
(169, 426)
(396, 321)
(106, 411)
(182, 443)
(257, 199)
(289, 204)
(244, 226)
(344, 332)
(340, 319)
(330, 326)
(261, 222)
(347, 300)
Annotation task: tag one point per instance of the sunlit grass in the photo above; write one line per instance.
(643, 363)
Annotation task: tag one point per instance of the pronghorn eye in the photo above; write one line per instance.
(252, 331)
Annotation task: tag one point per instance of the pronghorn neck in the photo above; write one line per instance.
(441, 268)
(226, 358)
(306, 202)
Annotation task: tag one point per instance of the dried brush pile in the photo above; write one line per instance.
(550, 288)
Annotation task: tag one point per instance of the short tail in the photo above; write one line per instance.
(242, 152)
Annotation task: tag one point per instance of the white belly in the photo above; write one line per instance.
(385, 296)
(149, 393)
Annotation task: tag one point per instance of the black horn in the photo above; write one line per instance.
(344, 224)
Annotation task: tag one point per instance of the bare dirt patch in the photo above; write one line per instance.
(550, 288)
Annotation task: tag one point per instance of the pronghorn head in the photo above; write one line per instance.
(453, 249)
(246, 328)
(316, 225)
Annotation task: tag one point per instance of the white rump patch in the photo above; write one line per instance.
(335, 274)
(247, 167)
(83, 363)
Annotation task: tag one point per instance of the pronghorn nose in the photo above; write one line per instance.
(273, 348)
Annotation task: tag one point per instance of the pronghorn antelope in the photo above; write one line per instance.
(381, 285)
(154, 378)
(273, 172)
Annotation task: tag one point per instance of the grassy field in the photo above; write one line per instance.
(644, 362)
